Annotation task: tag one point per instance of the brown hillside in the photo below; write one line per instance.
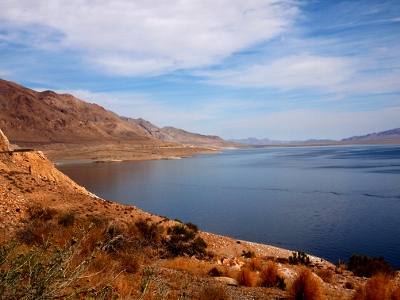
(175, 135)
(29, 117)
(66, 128)
(29, 180)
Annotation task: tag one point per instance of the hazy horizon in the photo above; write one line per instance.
(282, 70)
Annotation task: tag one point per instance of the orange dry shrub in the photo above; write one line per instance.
(254, 264)
(247, 278)
(379, 287)
(269, 275)
(306, 286)
(190, 266)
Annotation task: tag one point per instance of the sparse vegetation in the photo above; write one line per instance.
(299, 258)
(306, 286)
(270, 276)
(379, 287)
(365, 266)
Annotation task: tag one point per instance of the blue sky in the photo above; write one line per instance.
(287, 70)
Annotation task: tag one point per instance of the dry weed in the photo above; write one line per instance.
(247, 278)
(379, 287)
(187, 265)
(269, 275)
(306, 286)
(326, 275)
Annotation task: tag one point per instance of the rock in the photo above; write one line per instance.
(227, 280)
(4, 143)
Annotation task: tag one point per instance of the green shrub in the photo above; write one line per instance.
(184, 241)
(365, 266)
(192, 227)
(299, 258)
(47, 272)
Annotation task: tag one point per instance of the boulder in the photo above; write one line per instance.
(4, 143)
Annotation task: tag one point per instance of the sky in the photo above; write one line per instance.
(283, 70)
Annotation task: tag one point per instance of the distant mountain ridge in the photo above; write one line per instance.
(391, 134)
(175, 135)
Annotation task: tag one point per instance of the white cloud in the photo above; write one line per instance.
(292, 72)
(140, 37)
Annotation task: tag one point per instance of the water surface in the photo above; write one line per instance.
(326, 201)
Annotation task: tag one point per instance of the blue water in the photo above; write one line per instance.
(327, 201)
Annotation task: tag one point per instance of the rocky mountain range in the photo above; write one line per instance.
(67, 127)
(387, 135)
(175, 135)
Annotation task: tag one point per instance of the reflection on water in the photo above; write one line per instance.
(327, 201)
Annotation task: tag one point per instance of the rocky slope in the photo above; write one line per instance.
(28, 178)
(65, 127)
(171, 134)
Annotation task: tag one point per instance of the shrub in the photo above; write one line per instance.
(365, 266)
(184, 241)
(150, 232)
(379, 287)
(247, 278)
(254, 264)
(36, 211)
(270, 277)
(325, 275)
(299, 258)
(306, 286)
(192, 227)
(248, 254)
(46, 272)
(67, 219)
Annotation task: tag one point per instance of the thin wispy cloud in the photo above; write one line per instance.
(326, 69)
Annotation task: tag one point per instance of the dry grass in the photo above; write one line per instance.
(269, 275)
(326, 275)
(247, 277)
(379, 287)
(254, 264)
(190, 266)
(306, 286)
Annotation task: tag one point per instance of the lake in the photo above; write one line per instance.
(327, 201)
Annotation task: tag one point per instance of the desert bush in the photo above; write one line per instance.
(306, 286)
(270, 277)
(254, 264)
(47, 272)
(36, 211)
(67, 219)
(184, 241)
(247, 278)
(151, 232)
(212, 292)
(248, 254)
(299, 258)
(365, 266)
(379, 287)
(192, 227)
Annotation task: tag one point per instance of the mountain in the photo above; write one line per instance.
(69, 128)
(171, 134)
(29, 117)
(388, 136)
